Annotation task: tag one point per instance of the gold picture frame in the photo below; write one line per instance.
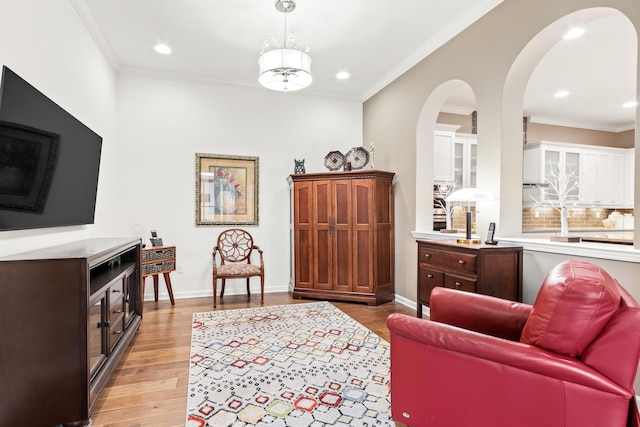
(226, 189)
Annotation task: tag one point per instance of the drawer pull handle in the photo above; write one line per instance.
(427, 255)
(430, 276)
(460, 261)
(458, 285)
(118, 332)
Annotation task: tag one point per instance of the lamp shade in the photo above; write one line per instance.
(469, 194)
(285, 69)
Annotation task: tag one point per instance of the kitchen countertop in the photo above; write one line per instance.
(618, 238)
(540, 242)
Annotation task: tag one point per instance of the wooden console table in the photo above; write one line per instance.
(480, 268)
(158, 260)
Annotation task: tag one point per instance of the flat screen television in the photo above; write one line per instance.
(49, 160)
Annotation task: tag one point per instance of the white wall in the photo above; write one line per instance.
(163, 123)
(151, 130)
(487, 57)
(46, 43)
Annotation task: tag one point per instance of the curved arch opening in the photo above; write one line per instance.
(445, 132)
(524, 95)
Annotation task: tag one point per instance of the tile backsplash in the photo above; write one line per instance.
(545, 218)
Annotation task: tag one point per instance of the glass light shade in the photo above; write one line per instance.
(285, 69)
(469, 194)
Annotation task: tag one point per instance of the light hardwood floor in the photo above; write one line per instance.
(149, 388)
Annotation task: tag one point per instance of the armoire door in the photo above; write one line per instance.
(363, 230)
(322, 235)
(342, 235)
(303, 234)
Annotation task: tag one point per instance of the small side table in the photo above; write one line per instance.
(158, 260)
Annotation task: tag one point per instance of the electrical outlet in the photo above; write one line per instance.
(180, 268)
(536, 214)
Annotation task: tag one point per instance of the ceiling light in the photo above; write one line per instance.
(285, 68)
(163, 49)
(561, 94)
(342, 75)
(573, 33)
(630, 104)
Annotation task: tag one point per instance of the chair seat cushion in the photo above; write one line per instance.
(238, 269)
(575, 302)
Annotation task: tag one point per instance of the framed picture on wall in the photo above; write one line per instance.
(226, 190)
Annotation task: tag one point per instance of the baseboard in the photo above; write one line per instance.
(411, 304)
(209, 294)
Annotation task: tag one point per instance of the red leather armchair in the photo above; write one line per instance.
(569, 360)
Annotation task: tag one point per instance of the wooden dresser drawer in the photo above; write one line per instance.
(448, 259)
(115, 332)
(458, 282)
(427, 280)
(116, 311)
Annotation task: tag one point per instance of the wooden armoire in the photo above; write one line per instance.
(342, 236)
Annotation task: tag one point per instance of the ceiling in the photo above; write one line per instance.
(220, 41)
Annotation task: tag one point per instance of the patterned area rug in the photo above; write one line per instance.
(291, 365)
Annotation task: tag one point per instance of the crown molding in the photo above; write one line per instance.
(580, 125)
(91, 23)
(454, 28)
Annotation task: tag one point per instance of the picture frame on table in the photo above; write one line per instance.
(226, 190)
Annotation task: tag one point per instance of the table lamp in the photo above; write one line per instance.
(469, 195)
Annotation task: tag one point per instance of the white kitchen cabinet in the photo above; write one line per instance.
(544, 161)
(465, 160)
(602, 181)
(629, 177)
(603, 172)
(454, 157)
(443, 156)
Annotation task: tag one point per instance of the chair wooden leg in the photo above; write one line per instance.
(215, 290)
(261, 289)
(222, 290)
(248, 289)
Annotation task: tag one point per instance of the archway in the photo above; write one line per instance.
(515, 89)
(461, 95)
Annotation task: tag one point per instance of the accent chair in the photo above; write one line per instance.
(235, 247)
(570, 360)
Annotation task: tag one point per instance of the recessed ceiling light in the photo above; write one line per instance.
(630, 104)
(163, 49)
(561, 94)
(573, 33)
(342, 75)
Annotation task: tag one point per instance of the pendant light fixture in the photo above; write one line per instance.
(285, 68)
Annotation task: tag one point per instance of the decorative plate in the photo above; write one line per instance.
(333, 161)
(358, 156)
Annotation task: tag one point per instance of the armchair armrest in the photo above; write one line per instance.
(480, 313)
(501, 351)
(257, 248)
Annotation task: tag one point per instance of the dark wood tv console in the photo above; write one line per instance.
(68, 313)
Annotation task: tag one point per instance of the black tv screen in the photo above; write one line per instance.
(49, 160)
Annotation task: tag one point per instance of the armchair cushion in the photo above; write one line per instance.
(604, 354)
(480, 313)
(237, 269)
(576, 300)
